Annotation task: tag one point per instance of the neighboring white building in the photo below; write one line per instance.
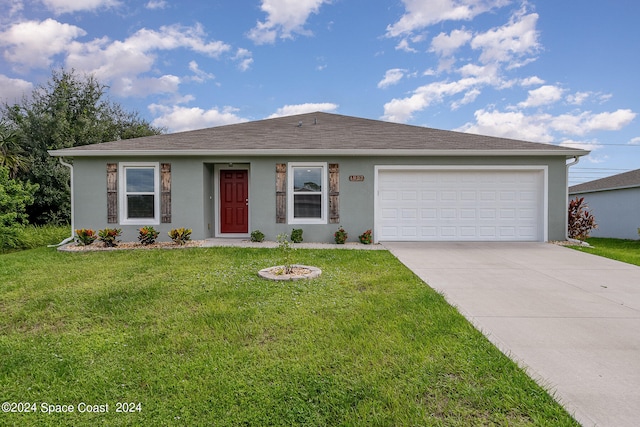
(614, 202)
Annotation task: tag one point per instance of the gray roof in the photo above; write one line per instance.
(315, 134)
(616, 182)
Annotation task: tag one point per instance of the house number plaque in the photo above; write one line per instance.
(356, 178)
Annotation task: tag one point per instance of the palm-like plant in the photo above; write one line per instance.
(11, 153)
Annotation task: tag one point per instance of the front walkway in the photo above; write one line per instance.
(571, 319)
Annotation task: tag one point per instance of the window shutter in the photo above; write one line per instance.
(334, 193)
(112, 193)
(165, 193)
(281, 193)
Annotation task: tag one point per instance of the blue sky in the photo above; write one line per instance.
(548, 71)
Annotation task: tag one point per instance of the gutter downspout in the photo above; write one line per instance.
(576, 159)
(68, 239)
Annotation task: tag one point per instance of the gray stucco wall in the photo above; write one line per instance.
(193, 193)
(617, 212)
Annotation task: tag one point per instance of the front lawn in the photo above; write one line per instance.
(195, 337)
(619, 249)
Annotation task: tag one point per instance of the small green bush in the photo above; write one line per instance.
(109, 236)
(365, 238)
(180, 236)
(85, 236)
(340, 236)
(257, 236)
(147, 235)
(296, 235)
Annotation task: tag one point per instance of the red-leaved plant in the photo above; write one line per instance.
(85, 236)
(581, 221)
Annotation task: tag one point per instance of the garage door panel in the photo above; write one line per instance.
(460, 205)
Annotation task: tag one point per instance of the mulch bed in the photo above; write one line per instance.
(99, 246)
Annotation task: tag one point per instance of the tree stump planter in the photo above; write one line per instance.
(298, 272)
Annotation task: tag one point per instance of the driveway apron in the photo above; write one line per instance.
(571, 319)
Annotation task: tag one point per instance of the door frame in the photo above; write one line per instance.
(544, 169)
(218, 167)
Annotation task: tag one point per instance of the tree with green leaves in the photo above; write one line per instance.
(15, 197)
(69, 111)
(12, 156)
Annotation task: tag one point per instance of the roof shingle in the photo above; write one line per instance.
(623, 180)
(315, 131)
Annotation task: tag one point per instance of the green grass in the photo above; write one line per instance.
(619, 249)
(197, 338)
(34, 236)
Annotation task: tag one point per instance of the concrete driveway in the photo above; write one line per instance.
(570, 318)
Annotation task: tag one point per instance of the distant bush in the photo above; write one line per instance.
(296, 235)
(180, 236)
(340, 236)
(147, 235)
(109, 236)
(85, 236)
(365, 238)
(31, 236)
(581, 221)
(257, 236)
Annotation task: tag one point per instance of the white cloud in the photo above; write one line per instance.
(143, 86)
(585, 122)
(511, 42)
(420, 14)
(24, 42)
(531, 81)
(582, 145)
(121, 62)
(178, 118)
(635, 141)
(284, 17)
(13, 90)
(578, 98)
(156, 4)
(446, 44)
(511, 124)
(404, 45)
(290, 110)
(392, 77)
(244, 58)
(66, 6)
(401, 110)
(199, 75)
(544, 95)
(545, 127)
(468, 98)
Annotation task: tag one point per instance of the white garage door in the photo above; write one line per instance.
(460, 205)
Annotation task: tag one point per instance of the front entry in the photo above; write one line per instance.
(234, 201)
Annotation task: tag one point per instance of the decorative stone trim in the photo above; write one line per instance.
(300, 272)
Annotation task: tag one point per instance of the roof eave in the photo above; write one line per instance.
(599, 190)
(317, 152)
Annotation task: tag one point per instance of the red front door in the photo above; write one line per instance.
(234, 201)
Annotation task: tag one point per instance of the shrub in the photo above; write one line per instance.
(11, 237)
(581, 221)
(296, 235)
(147, 235)
(180, 236)
(365, 237)
(257, 236)
(85, 236)
(109, 236)
(340, 236)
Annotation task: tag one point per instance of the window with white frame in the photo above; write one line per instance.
(307, 193)
(139, 193)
